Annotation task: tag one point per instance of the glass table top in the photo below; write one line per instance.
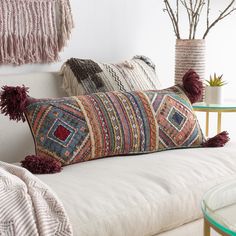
(219, 207)
(224, 106)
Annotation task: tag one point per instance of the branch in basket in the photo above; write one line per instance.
(227, 11)
(173, 17)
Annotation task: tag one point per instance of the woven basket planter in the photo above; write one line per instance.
(189, 54)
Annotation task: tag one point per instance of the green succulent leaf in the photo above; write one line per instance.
(215, 81)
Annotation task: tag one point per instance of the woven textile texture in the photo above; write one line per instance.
(28, 206)
(81, 77)
(33, 31)
(77, 129)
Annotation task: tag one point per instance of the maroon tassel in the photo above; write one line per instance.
(218, 141)
(193, 86)
(41, 165)
(14, 102)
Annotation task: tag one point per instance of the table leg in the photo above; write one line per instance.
(207, 124)
(207, 229)
(219, 123)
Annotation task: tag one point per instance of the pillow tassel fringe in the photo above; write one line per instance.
(193, 86)
(218, 141)
(41, 165)
(13, 102)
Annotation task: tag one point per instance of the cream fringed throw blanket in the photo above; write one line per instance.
(33, 31)
(28, 207)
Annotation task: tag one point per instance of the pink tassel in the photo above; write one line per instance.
(218, 141)
(13, 102)
(193, 86)
(41, 165)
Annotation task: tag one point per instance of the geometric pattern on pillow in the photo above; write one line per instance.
(77, 129)
(59, 129)
(178, 124)
(81, 77)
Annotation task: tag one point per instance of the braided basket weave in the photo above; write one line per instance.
(189, 54)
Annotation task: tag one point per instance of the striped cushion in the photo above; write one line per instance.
(82, 77)
(77, 129)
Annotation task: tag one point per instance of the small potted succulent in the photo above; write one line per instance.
(214, 93)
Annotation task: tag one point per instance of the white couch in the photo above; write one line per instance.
(141, 195)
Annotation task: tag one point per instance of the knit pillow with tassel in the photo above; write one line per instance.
(81, 77)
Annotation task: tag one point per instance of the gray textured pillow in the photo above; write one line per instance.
(82, 77)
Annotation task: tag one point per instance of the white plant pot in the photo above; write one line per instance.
(214, 95)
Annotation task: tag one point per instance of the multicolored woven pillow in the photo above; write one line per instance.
(82, 128)
(82, 77)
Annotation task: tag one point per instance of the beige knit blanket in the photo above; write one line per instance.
(28, 207)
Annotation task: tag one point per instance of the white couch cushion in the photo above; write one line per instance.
(142, 194)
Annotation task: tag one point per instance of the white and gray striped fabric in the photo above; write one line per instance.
(28, 207)
(138, 73)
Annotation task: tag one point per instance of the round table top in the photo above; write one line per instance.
(219, 207)
(202, 106)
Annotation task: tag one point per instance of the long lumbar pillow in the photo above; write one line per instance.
(76, 129)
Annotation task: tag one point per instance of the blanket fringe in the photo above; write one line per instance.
(37, 33)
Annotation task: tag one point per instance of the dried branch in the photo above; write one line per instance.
(194, 9)
(222, 15)
(191, 4)
(208, 12)
(189, 13)
(228, 13)
(197, 17)
(173, 18)
(177, 11)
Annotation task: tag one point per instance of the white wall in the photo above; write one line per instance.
(109, 31)
(112, 30)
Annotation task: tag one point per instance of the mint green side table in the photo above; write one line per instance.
(218, 108)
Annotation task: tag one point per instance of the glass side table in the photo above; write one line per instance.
(219, 209)
(219, 108)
